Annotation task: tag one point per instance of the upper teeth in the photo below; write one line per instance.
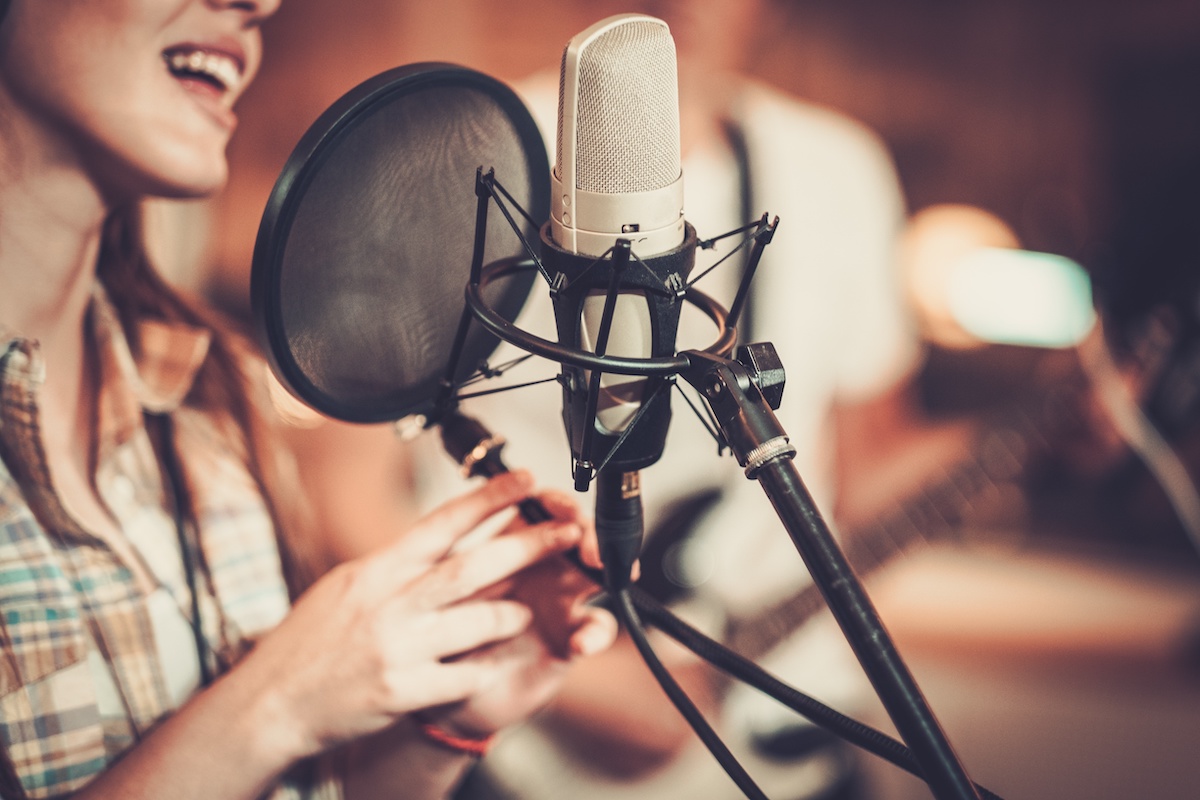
(219, 67)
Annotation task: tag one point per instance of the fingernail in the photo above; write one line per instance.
(593, 639)
(565, 534)
(522, 616)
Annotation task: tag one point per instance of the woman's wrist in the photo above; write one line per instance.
(262, 706)
(446, 737)
(402, 761)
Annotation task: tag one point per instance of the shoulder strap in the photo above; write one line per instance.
(735, 138)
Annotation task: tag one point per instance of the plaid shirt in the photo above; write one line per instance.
(73, 603)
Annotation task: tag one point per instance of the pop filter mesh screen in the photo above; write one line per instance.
(371, 256)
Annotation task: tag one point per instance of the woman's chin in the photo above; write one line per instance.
(185, 184)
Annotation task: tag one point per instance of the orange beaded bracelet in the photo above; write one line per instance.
(461, 744)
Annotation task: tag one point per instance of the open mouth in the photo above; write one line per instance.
(219, 71)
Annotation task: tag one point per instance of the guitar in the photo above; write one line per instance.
(938, 512)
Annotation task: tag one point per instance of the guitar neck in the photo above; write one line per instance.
(938, 512)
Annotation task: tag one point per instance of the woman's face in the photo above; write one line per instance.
(137, 94)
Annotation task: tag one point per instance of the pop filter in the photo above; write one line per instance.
(366, 242)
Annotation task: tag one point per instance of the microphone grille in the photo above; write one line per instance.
(627, 124)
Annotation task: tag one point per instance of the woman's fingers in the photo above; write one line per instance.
(452, 631)
(411, 626)
(437, 533)
(464, 574)
(562, 505)
(595, 633)
(435, 684)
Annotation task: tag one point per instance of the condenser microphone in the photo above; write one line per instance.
(617, 170)
(619, 244)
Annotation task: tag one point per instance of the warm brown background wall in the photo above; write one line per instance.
(1077, 122)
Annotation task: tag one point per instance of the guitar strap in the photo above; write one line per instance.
(659, 576)
(735, 139)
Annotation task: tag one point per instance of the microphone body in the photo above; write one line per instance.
(617, 169)
(620, 250)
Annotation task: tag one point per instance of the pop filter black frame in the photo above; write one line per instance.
(305, 162)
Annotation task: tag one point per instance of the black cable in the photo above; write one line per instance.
(623, 606)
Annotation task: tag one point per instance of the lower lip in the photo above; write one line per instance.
(210, 99)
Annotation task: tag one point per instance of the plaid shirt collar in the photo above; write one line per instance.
(156, 381)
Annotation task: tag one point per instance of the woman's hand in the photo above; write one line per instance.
(525, 671)
(378, 637)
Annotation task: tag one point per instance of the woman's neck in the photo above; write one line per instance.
(51, 222)
(52, 214)
(50, 232)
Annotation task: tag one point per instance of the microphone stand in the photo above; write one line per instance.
(734, 392)
(761, 446)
